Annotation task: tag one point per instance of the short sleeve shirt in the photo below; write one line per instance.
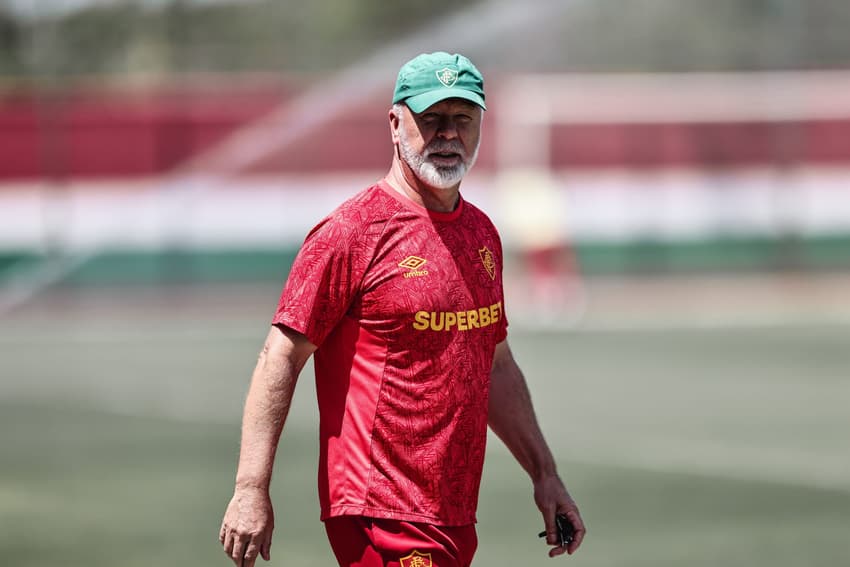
(406, 308)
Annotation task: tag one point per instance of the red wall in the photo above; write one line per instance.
(107, 133)
(124, 133)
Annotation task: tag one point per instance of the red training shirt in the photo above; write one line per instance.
(406, 308)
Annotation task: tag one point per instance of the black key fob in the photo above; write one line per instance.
(566, 532)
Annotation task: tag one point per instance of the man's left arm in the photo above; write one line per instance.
(512, 419)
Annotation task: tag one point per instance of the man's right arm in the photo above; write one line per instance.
(246, 530)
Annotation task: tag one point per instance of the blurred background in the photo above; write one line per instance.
(672, 183)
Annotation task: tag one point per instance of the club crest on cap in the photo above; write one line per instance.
(446, 76)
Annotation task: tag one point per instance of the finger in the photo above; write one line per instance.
(551, 528)
(238, 550)
(251, 552)
(221, 533)
(578, 527)
(577, 539)
(556, 551)
(228, 542)
(266, 547)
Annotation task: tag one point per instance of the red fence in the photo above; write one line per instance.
(129, 133)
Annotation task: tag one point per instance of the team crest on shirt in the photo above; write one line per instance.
(488, 261)
(446, 76)
(416, 559)
(414, 264)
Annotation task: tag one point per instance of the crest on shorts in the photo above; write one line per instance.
(488, 261)
(416, 559)
(446, 76)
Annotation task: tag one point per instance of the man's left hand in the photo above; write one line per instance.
(552, 499)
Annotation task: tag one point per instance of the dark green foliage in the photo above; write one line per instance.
(284, 35)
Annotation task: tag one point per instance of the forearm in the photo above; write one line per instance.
(512, 417)
(267, 406)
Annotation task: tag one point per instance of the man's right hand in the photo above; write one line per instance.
(246, 530)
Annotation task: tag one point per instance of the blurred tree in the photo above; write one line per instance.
(96, 39)
(11, 39)
(688, 35)
(175, 36)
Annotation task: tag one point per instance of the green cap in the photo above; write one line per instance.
(431, 77)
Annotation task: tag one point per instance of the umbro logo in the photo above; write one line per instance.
(414, 264)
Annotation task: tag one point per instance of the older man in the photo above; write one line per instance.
(398, 293)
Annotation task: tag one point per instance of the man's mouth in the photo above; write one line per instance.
(444, 157)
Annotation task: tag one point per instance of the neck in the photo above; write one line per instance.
(402, 179)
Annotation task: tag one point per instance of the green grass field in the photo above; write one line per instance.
(694, 447)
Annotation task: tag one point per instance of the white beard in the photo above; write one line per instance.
(440, 177)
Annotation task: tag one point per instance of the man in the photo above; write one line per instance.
(399, 295)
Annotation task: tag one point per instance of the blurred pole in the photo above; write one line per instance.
(45, 63)
(788, 149)
(536, 219)
(789, 143)
(174, 138)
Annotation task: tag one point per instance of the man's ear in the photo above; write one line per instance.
(395, 122)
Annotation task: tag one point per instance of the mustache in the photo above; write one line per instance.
(438, 147)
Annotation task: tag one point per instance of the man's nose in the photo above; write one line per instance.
(447, 129)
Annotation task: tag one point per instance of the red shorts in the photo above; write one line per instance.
(370, 542)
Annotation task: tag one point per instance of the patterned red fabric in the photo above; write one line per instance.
(405, 305)
(368, 542)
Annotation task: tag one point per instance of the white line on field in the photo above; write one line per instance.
(163, 334)
(818, 474)
(593, 324)
(815, 476)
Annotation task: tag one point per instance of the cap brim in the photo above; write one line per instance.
(420, 103)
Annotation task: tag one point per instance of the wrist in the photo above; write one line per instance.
(251, 485)
(544, 472)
